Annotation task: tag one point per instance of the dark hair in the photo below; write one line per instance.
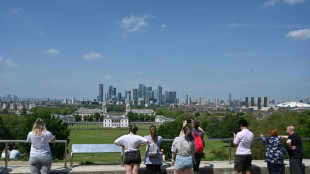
(188, 134)
(153, 132)
(243, 123)
(133, 129)
(196, 124)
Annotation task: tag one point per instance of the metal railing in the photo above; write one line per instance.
(25, 141)
(230, 143)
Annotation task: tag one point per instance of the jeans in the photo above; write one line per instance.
(295, 166)
(275, 168)
(41, 162)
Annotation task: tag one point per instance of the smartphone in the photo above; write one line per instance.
(189, 121)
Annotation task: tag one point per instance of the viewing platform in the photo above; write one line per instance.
(210, 167)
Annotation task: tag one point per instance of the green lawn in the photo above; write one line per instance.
(214, 150)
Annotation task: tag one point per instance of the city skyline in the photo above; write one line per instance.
(202, 49)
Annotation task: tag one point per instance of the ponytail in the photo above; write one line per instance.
(188, 134)
(153, 132)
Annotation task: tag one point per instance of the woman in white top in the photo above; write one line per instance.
(131, 143)
(40, 153)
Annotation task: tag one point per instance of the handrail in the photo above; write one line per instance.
(230, 140)
(25, 141)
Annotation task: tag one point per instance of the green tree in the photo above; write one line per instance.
(169, 131)
(78, 118)
(59, 129)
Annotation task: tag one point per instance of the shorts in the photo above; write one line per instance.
(243, 163)
(198, 157)
(132, 157)
(183, 162)
(40, 163)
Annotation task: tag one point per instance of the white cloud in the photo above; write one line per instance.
(91, 56)
(163, 26)
(270, 3)
(292, 2)
(135, 23)
(15, 10)
(303, 34)
(52, 51)
(8, 62)
(236, 25)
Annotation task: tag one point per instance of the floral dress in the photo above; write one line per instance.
(274, 152)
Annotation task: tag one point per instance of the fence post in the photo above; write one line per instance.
(229, 151)
(66, 145)
(6, 155)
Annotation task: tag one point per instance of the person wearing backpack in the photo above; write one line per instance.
(198, 134)
(153, 159)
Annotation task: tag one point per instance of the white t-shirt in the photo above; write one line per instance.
(130, 141)
(39, 144)
(244, 141)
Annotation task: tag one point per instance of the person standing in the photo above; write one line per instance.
(198, 134)
(153, 161)
(40, 154)
(183, 151)
(274, 152)
(131, 143)
(243, 140)
(294, 149)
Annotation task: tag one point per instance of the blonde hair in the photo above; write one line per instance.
(38, 128)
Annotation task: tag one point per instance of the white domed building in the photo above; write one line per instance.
(296, 105)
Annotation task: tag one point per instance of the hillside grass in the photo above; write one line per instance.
(213, 150)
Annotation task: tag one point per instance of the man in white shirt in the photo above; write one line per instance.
(243, 140)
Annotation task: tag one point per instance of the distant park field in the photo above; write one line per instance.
(214, 150)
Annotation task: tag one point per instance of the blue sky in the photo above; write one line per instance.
(64, 49)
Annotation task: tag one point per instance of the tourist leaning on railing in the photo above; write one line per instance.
(274, 152)
(183, 151)
(153, 157)
(131, 143)
(40, 154)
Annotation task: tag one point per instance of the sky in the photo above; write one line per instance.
(202, 48)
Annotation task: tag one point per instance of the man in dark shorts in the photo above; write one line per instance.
(243, 140)
(294, 150)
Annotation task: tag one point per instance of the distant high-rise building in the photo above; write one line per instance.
(100, 96)
(140, 91)
(265, 101)
(259, 103)
(160, 95)
(186, 99)
(65, 101)
(246, 101)
(189, 100)
(119, 96)
(127, 95)
(252, 101)
(202, 101)
(134, 96)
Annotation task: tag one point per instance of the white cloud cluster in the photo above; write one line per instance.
(91, 56)
(292, 2)
(302, 34)
(52, 51)
(135, 23)
(271, 3)
(8, 62)
(163, 26)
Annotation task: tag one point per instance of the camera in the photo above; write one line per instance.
(189, 121)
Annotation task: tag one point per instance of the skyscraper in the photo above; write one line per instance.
(100, 96)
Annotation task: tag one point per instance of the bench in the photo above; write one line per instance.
(96, 148)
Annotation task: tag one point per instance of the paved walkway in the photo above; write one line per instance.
(212, 167)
